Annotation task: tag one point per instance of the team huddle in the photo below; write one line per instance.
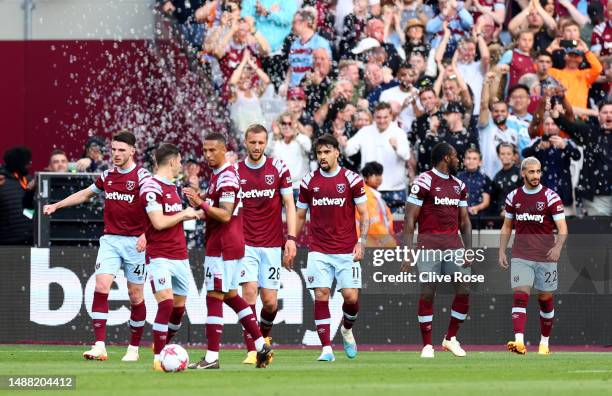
(246, 245)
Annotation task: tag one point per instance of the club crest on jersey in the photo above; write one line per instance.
(130, 185)
(341, 188)
(540, 206)
(269, 179)
(457, 189)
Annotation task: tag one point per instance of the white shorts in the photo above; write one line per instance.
(221, 275)
(261, 265)
(169, 274)
(322, 268)
(116, 251)
(543, 276)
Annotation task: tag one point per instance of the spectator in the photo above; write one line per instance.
(349, 70)
(601, 39)
(473, 70)
(380, 232)
(394, 34)
(478, 184)
(507, 179)
(375, 29)
(230, 49)
(495, 9)
(300, 53)
(555, 154)
(535, 19)
(520, 100)
(451, 87)
(518, 61)
(361, 118)
(576, 81)
(58, 161)
(453, 132)
(377, 81)
(496, 126)
(423, 127)
(272, 19)
(543, 65)
(296, 104)
(405, 95)
(292, 147)
(386, 143)
(354, 27)
(93, 158)
(570, 37)
(184, 12)
(458, 20)
(318, 82)
(594, 187)
(414, 10)
(576, 9)
(415, 38)
(244, 95)
(16, 228)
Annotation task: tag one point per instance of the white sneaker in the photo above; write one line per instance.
(97, 352)
(454, 346)
(427, 352)
(131, 355)
(327, 355)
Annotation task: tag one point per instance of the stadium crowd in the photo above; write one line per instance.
(500, 80)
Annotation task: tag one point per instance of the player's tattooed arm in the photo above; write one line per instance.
(364, 225)
(555, 252)
(504, 237)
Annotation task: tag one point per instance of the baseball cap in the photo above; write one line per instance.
(296, 93)
(365, 45)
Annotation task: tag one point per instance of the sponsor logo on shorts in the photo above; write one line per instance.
(341, 188)
(130, 185)
(161, 281)
(242, 273)
(310, 279)
(516, 278)
(97, 266)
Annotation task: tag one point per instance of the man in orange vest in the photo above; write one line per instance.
(380, 233)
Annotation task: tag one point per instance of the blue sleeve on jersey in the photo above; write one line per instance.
(360, 200)
(95, 189)
(415, 201)
(302, 205)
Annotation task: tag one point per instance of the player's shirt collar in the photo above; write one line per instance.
(537, 190)
(439, 174)
(330, 174)
(163, 180)
(128, 170)
(251, 165)
(220, 169)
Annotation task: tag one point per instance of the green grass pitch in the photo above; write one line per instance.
(295, 372)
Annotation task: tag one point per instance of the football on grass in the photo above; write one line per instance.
(174, 358)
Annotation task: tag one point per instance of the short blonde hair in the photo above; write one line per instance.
(530, 161)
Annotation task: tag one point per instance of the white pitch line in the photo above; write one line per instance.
(589, 371)
(39, 351)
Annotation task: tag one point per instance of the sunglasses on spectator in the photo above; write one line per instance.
(286, 123)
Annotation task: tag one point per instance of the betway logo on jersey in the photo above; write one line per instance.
(117, 196)
(256, 193)
(446, 201)
(530, 217)
(326, 201)
(175, 207)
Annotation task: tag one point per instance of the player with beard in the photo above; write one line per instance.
(224, 251)
(266, 186)
(123, 242)
(438, 203)
(332, 193)
(495, 126)
(535, 211)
